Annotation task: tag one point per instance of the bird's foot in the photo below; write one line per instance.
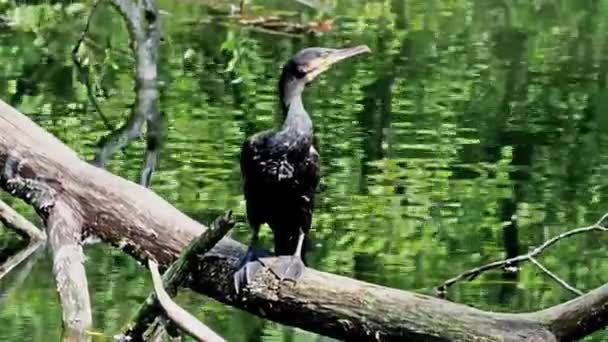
(249, 266)
(287, 267)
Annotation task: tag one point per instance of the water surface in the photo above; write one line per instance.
(473, 132)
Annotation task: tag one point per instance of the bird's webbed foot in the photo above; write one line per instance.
(287, 267)
(249, 266)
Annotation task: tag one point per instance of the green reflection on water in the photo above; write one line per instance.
(467, 114)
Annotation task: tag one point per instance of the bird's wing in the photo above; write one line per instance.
(314, 167)
(271, 162)
(254, 157)
(248, 158)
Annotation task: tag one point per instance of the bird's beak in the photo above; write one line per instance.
(322, 63)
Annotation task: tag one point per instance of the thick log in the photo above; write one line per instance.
(144, 225)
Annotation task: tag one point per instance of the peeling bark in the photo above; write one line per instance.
(146, 226)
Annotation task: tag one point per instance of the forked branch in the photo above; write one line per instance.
(474, 272)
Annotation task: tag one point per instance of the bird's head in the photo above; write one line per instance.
(309, 63)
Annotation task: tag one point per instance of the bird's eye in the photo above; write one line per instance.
(300, 71)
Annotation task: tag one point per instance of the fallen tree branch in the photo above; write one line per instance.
(143, 24)
(184, 320)
(13, 220)
(474, 272)
(177, 273)
(64, 226)
(146, 226)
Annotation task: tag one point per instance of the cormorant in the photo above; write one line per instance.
(280, 168)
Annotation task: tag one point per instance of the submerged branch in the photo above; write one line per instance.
(474, 272)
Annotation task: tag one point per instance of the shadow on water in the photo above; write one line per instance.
(472, 132)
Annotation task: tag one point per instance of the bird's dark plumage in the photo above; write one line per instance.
(280, 175)
(280, 167)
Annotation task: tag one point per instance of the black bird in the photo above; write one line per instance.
(280, 168)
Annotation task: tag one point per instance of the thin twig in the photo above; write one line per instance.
(182, 318)
(556, 278)
(84, 32)
(83, 72)
(474, 272)
(13, 220)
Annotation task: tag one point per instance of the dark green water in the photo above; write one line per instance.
(475, 130)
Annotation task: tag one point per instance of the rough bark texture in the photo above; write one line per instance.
(143, 224)
(63, 225)
(60, 210)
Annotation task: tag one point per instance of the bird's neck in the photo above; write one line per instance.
(297, 119)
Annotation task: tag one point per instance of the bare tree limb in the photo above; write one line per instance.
(64, 228)
(144, 225)
(18, 258)
(474, 272)
(184, 320)
(68, 267)
(13, 220)
(177, 273)
(22, 273)
(143, 24)
(556, 278)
